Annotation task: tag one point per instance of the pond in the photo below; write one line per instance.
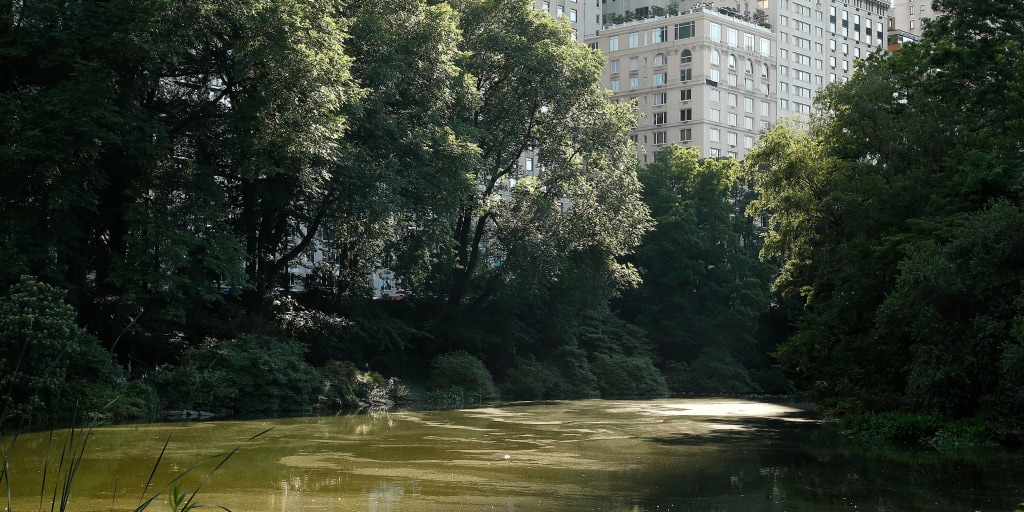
(685, 455)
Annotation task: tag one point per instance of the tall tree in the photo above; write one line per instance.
(539, 90)
(703, 286)
(871, 206)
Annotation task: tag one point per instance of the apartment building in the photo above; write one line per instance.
(809, 43)
(699, 78)
(575, 11)
(819, 43)
(910, 15)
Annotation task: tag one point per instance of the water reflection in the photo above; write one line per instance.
(699, 455)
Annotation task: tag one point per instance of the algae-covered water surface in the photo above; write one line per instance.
(699, 455)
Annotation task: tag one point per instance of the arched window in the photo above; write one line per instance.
(659, 59)
(732, 61)
(686, 57)
(748, 67)
(764, 70)
(714, 57)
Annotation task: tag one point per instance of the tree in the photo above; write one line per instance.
(404, 156)
(540, 90)
(878, 208)
(703, 286)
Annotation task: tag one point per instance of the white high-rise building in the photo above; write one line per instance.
(809, 43)
(820, 42)
(699, 78)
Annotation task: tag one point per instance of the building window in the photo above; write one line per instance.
(659, 59)
(660, 118)
(716, 32)
(634, 63)
(748, 67)
(731, 119)
(685, 94)
(748, 105)
(685, 135)
(573, 15)
(613, 43)
(748, 42)
(659, 98)
(686, 57)
(615, 86)
(685, 30)
(561, 11)
(634, 83)
(748, 142)
(715, 135)
(659, 78)
(766, 109)
(716, 95)
(733, 139)
(764, 70)
(715, 152)
(634, 39)
(685, 75)
(529, 164)
(713, 74)
(660, 35)
(613, 66)
(660, 137)
(733, 37)
(716, 115)
(732, 99)
(732, 79)
(715, 58)
(766, 47)
(686, 114)
(748, 123)
(732, 61)
(547, 5)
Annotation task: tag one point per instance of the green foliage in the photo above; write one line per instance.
(577, 377)
(704, 288)
(897, 222)
(461, 371)
(247, 374)
(619, 376)
(715, 371)
(920, 430)
(514, 239)
(528, 379)
(52, 369)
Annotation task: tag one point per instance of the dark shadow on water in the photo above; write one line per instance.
(789, 427)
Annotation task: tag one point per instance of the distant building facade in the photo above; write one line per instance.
(819, 42)
(909, 16)
(742, 65)
(699, 78)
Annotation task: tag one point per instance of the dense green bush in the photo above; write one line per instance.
(923, 430)
(619, 376)
(246, 374)
(460, 370)
(529, 379)
(577, 379)
(52, 370)
(365, 389)
(714, 371)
